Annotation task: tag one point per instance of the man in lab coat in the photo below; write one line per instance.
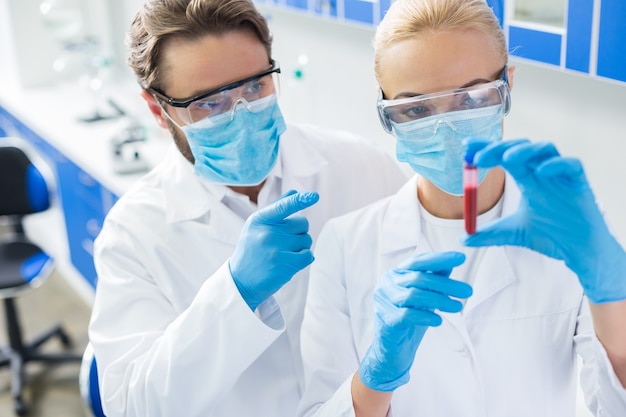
(202, 264)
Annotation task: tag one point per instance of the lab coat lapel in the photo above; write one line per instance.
(493, 274)
(224, 225)
(401, 229)
(298, 172)
(187, 198)
(402, 235)
(402, 238)
(300, 169)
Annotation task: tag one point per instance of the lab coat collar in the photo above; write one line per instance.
(299, 158)
(188, 197)
(403, 210)
(299, 162)
(494, 273)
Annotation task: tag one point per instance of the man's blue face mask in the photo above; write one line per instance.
(238, 148)
(433, 146)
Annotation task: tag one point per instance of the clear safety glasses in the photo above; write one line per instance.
(412, 109)
(224, 99)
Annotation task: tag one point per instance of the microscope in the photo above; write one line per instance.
(126, 149)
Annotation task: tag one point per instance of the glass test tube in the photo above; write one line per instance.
(470, 191)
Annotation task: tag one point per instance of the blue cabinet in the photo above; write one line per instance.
(364, 12)
(589, 36)
(612, 40)
(85, 202)
(361, 11)
(536, 45)
(579, 31)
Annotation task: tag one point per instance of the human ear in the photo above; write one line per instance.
(510, 76)
(156, 110)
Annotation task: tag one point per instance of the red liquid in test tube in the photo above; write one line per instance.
(470, 191)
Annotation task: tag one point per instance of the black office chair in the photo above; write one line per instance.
(24, 190)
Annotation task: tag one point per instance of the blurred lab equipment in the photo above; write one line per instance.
(82, 55)
(126, 147)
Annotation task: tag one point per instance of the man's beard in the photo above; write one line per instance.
(180, 140)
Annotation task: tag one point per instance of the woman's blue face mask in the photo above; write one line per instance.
(433, 146)
(239, 148)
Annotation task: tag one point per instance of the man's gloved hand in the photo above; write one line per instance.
(557, 216)
(405, 301)
(272, 248)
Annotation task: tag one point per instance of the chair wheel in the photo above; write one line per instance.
(19, 406)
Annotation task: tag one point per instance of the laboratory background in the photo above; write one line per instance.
(66, 90)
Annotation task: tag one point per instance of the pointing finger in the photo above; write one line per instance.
(287, 194)
(437, 262)
(285, 207)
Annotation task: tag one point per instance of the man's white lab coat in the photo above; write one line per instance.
(511, 352)
(171, 334)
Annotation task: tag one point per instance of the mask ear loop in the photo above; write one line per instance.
(167, 115)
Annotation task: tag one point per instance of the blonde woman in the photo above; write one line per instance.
(406, 314)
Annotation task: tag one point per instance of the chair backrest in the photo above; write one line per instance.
(26, 184)
(23, 187)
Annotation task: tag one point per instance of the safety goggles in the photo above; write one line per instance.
(412, 109)
(224, 99)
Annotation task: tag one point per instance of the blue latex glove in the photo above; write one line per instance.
(405, 301)
(557, 216)
(272, 248)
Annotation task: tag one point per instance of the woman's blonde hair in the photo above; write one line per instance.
(159, 21)
(409, 18)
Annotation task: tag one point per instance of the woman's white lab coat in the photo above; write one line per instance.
(172, 336)
(512, 352)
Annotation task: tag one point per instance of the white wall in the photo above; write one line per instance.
(27, 48)
(8, 68)
(29, 43)
(338, 88)
(584, 117)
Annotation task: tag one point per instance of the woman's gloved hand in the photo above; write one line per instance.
(272, 247)
(557, 216)
(405, 301)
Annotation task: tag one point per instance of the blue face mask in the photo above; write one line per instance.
(241, 151)
(433, 146)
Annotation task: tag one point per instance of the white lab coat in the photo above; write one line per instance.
(510, 353)
(171, 334)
